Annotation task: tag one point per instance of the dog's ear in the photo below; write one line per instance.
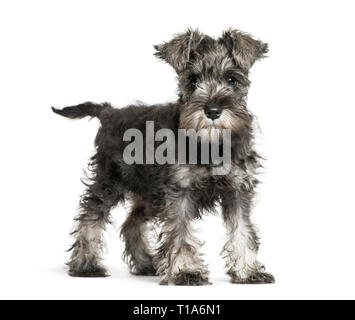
(182, 49)
(244, 49)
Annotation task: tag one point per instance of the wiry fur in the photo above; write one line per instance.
(172, 196)
(135, 233)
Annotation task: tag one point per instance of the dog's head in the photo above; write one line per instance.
(213, 77)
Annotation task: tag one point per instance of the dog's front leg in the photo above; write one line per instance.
(240, 250)
(178, 260)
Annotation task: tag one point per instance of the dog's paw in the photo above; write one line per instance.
(188, 278)
(255, 278)
(146, 271)
(93, 272)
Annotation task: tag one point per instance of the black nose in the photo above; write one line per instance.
(213, 111)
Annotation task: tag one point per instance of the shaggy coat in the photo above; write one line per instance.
(212, 75)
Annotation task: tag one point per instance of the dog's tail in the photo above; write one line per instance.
(82, 110)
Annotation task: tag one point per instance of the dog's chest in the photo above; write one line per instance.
(201, 186)
(187, 176)
(199, 179)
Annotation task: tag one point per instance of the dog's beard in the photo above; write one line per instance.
(234, 119)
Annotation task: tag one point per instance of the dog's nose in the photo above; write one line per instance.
(213, 111)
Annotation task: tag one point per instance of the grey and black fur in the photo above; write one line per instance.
(212, 75)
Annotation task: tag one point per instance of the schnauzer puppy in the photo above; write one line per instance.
(213, 85)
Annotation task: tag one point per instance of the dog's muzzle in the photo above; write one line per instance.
(213, 111)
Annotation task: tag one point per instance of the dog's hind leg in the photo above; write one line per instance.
(95, 205)
(136, 233)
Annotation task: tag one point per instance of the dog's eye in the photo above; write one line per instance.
(194, 81)
(231, 80)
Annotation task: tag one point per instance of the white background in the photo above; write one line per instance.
(66, 52)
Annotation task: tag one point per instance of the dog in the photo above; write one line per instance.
(213, 82)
